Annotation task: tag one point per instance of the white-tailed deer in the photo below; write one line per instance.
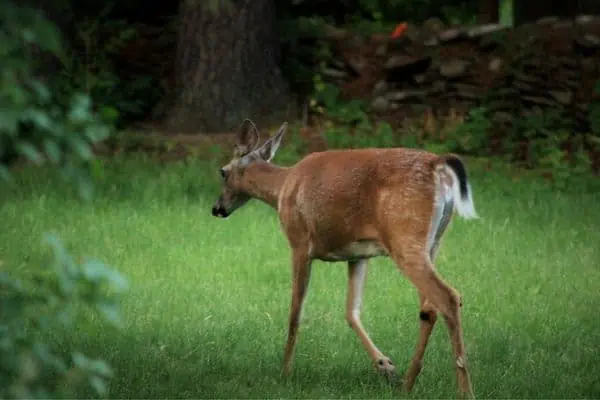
(351, 205)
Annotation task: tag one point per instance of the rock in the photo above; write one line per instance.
(567, 62)
(502, 117)
(353, 41)
(451, 35)
(564, 97)
(413, 33)
(431, 42)
(338, 64)
(495, 64)
(467, 91)
(547, 20)
(439, 87)
(524, 87)
(433, 25)
(467, 95)
(588, 64)
(527, 78)
(589, 41)
(572, 84)
(380, 104)
(488, 43)
(334, 73)
(380, 88)
(485, 29)
(402, 60)
(357, 65)
(453, 68)
(562, 24)
(402, 67)
(420, 79)
(587, 45)
(381, 51)
(402, 95)
(539, 100)
(586, 19)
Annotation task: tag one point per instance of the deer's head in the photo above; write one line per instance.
(245, 153)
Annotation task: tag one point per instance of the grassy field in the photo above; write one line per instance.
(207, 312)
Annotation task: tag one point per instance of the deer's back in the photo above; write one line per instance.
(346, 197)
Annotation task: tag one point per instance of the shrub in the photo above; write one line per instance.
(34, 125)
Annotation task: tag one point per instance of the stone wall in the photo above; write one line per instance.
(551, 63)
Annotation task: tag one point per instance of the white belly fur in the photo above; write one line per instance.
(356, 251)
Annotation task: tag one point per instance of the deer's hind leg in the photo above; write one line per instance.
(357, 274)
(417, 266)
(427, 320)
(412, 252)
(427, 312)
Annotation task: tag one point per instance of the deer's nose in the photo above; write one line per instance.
(219, 212)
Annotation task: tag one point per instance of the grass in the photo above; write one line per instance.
(207, 312)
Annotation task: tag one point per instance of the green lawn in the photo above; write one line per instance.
(207, 312)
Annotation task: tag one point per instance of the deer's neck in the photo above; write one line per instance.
(264, 182)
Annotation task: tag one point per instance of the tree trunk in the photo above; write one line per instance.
(488, 12)
(227, 66)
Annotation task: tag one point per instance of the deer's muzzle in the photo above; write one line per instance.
(218, 211)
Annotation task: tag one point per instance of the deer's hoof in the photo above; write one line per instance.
(386, 367)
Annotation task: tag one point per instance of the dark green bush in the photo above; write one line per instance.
(34, 122)
(37, 304)
(36, 126)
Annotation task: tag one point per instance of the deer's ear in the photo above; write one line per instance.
(247, 137)
(269, 148)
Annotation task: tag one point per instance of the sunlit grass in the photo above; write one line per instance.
(207, 312)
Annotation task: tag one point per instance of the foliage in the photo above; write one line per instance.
(33, 123)
(326, 101)
(541, 141)
(90, 63)
(42, 303)
(87, 65)
(472, 137)
(594, 113)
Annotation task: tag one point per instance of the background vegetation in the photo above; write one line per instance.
(86, 85)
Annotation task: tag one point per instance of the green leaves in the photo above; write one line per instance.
(37, 126)
(28, 150)
(34, 123)
(55, 298)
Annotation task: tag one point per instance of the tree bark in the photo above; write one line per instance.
(488, 11)
(227, 66)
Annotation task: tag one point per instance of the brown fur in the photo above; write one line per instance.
(351, 205)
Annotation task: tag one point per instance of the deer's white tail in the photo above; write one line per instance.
(461, 188)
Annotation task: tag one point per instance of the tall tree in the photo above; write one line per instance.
(227, 65)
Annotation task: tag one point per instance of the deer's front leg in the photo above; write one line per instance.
(301, 275)
(357, 274)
